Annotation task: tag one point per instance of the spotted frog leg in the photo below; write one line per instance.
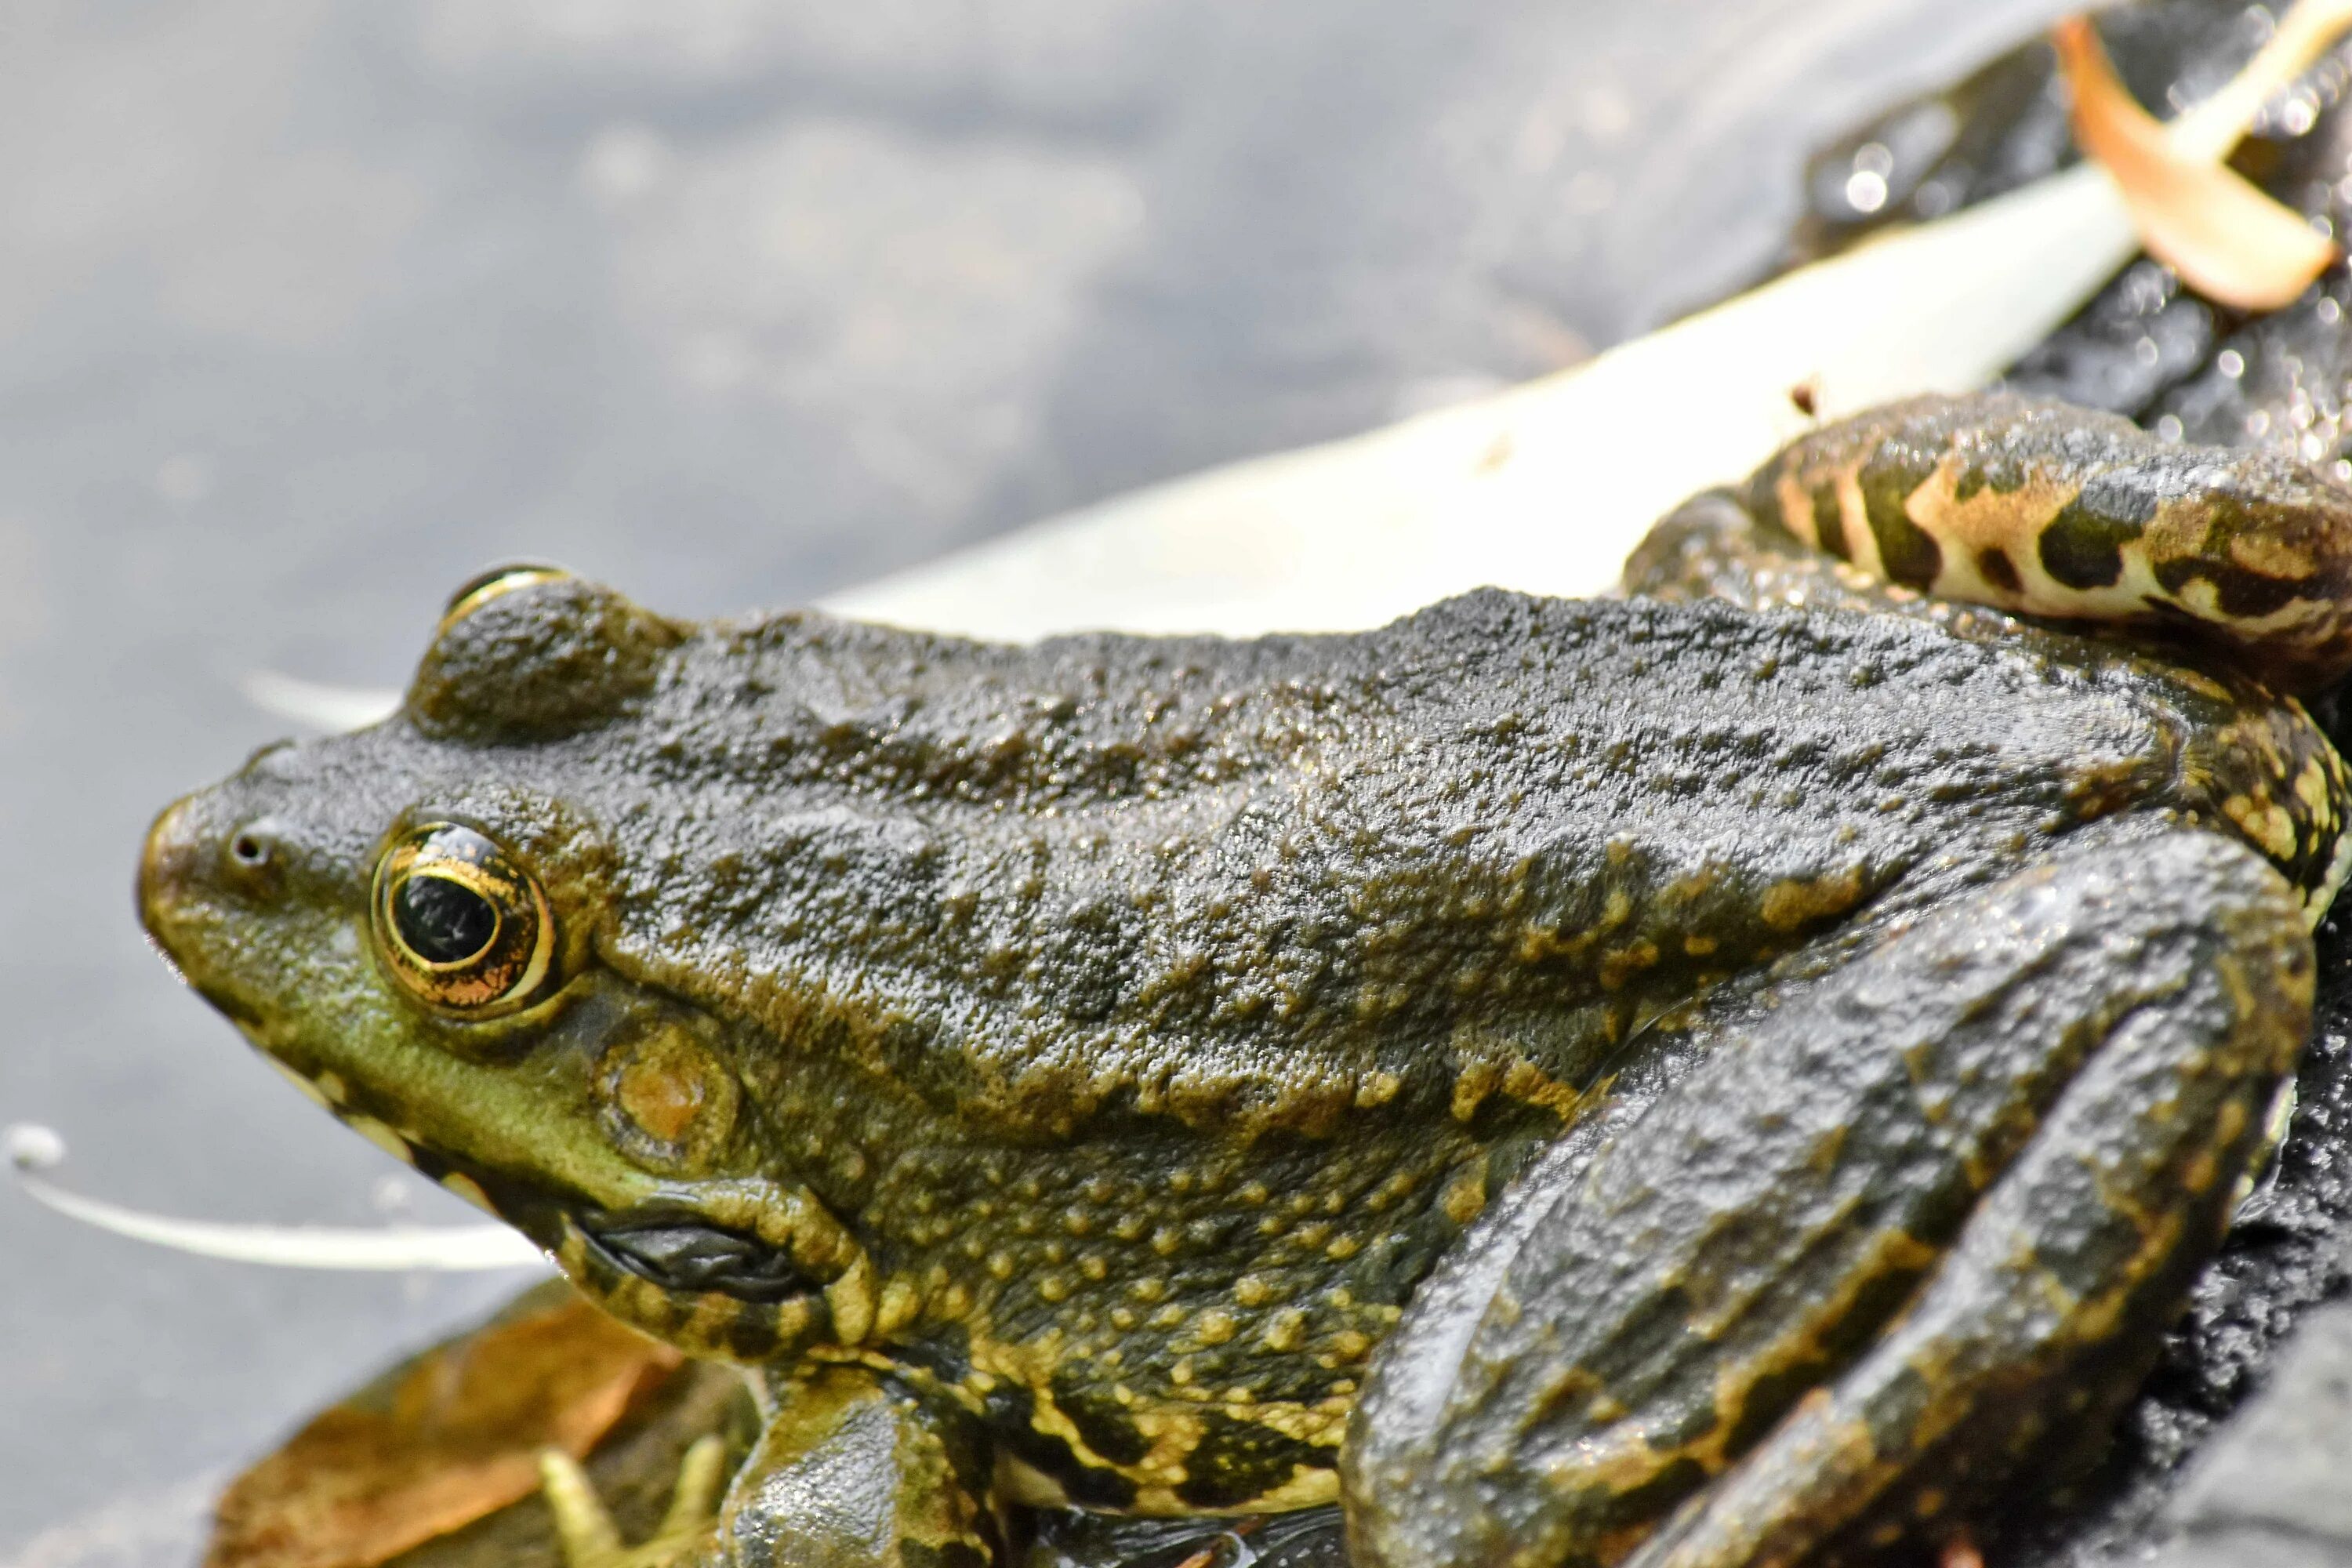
(1895, 1232)
(2047, 510)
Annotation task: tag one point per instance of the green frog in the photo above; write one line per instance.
(1734, 1073)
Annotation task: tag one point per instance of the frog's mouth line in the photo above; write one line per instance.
(666, 1245)
(686, 1255)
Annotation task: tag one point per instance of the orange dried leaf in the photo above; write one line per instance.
(445, 1439)
(2225, 238)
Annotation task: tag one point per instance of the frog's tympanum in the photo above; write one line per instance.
(1732, 1074)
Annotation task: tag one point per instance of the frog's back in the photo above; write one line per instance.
(1455, 857)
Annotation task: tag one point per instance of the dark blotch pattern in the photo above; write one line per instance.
(1237, 1460)
(1995, 567)
(1909, 556)
(2083, 548)
(1100, 1421)
(1829, 522)
(751, 1336)
(2237, 591)
(1013, 1420)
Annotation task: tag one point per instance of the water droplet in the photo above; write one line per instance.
(1873, 158)
(1865, 192)
(33, 1147)
(392, 1196)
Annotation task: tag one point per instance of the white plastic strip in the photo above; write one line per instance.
(315, 706)
(447, 1249)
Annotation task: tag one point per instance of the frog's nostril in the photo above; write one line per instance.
(251, 858)
(192, 857)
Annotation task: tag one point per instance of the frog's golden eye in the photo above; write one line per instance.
(462, 927)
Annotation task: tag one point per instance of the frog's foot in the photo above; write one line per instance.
(590, 1538)
(2047, 510)
(1907, 1229)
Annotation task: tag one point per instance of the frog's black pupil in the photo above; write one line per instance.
(443, 921)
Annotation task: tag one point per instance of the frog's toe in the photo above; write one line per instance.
(585, 1527)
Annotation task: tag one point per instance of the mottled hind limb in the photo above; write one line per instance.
(1902, 1230)
(2047, 510)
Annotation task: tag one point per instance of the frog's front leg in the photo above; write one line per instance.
(1906, 1227)
(853, 1470)
(850, 1471)
(584, 1526)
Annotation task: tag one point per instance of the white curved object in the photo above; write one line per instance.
(441, 1248)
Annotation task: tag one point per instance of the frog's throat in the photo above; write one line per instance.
(732, 1269)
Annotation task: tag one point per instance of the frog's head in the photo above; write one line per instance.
(416, 922)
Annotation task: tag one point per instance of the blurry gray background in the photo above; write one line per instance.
(308, 310)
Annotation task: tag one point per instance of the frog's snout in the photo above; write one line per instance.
(195, 859)
(166, 862)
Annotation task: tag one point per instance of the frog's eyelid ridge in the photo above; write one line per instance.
(464, 1248)
(315, 706)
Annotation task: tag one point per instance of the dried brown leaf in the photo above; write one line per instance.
(442, 1441)
(2226, 238)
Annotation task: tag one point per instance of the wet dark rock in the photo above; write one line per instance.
(2271, 1490)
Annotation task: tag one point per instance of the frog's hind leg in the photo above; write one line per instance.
(2047, 510)
(1900, 1230)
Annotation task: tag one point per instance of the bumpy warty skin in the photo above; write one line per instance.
(1114, 876)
